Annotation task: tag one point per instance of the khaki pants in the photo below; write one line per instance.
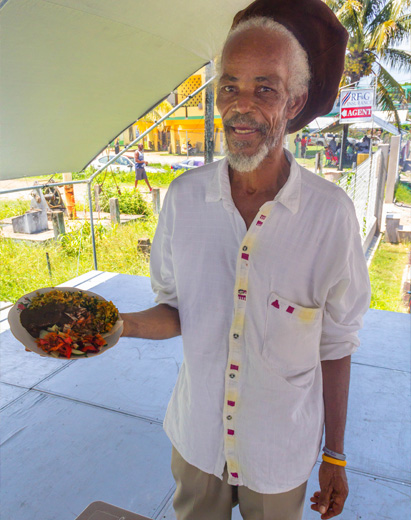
(201, 496)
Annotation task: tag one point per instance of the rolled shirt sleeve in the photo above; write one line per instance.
(349, 296)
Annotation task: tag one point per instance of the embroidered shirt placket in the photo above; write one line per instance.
(236, 346)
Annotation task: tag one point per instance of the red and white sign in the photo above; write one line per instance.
(356, 105)
(350, 113)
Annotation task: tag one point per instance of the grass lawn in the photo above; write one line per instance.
(403, 193)
(24, 266)
(306, 162)
(386, 273)
(13, 208)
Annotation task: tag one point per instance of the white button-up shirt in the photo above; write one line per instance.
(259, 310)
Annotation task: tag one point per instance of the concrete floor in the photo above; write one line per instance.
(74, 432)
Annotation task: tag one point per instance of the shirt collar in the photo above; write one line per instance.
(289, 195)
(214, 188)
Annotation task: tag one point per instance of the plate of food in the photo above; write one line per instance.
(65, 323)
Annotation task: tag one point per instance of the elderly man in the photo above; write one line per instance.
(258, 263)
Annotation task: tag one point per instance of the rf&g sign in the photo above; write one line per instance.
(356, 105)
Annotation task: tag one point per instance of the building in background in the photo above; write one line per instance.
(184, 127)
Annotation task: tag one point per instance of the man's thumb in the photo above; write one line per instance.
(324, 501)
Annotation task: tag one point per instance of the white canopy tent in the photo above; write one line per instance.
(380, 119)
(76, 73)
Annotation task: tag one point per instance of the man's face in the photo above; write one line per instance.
(253, 97)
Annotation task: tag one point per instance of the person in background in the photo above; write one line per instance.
(333, 146)
(364, 145)
(297, 142)
(304, 142)
(139, 166)
(350, 152)
(117, 147)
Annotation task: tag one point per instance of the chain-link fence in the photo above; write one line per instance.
(365, 188)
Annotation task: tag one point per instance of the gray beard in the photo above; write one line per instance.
(243, 163)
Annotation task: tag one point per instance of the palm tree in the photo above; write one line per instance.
(375, 28)
(158, 112)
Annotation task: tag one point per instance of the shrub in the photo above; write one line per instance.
(130, 202)
(80, 239)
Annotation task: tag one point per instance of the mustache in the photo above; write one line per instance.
(246, 121)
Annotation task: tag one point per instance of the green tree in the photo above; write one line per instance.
(375, 28)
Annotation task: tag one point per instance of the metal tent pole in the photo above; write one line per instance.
(93, 238)
(140, 137)
(88, 181)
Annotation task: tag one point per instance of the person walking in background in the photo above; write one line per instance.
(139, 166)
(333, 146)
(350, 153)
(117, 147)
(297, 142)
(304, 141)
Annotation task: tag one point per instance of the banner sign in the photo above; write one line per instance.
(356, 105)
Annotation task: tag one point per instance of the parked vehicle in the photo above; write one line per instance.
(121, 164)
(187, 164)
(323, 140)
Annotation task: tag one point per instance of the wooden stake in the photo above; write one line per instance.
(114, 211)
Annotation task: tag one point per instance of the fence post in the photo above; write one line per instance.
(57, 218)
(114, 211)
(392, 167)
(382, 158)
(318, 163)
(97, 191)
(156, 200)
(209, 116)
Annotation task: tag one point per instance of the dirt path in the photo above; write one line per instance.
(16, 183)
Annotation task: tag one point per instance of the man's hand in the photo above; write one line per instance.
(329, 502)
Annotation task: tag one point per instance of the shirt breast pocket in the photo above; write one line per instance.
(292, 336)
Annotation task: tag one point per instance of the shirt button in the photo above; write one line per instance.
(232, 376)
(245, 248)
(235, 336)
(229, 417)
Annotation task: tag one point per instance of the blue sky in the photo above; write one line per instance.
(400, 76)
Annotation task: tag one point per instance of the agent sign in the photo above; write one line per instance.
(356, 105)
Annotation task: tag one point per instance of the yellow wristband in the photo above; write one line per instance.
(337, 462)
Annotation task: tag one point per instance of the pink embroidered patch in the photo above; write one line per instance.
(230, 432)
(262, 217)
(231, 403)
(290, 309)
(235, 475)
(244, 256)
(233, 367)
(276, 304)
(242, 294)
(259, 223)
